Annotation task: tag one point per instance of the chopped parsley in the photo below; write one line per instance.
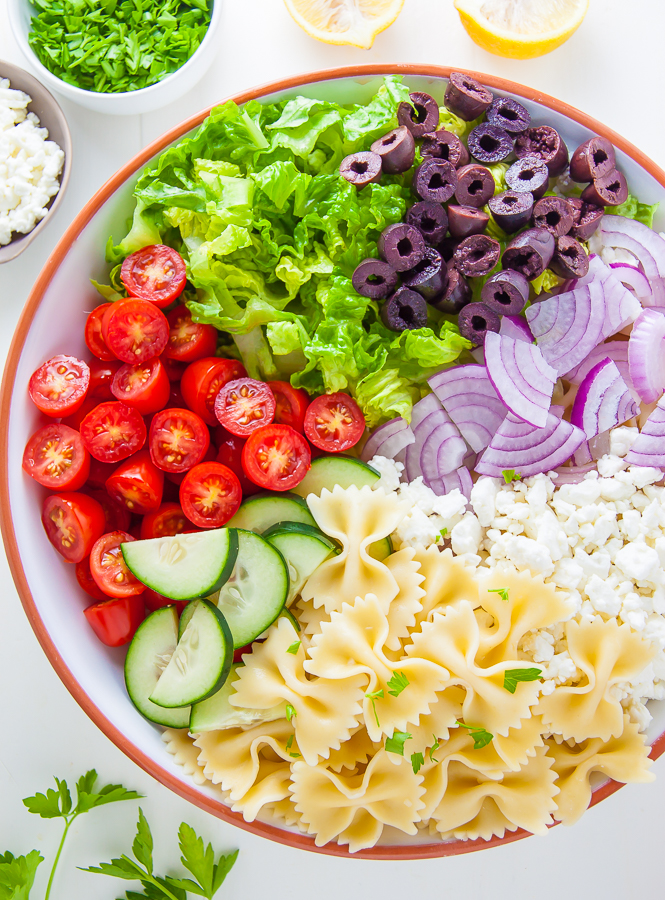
(371, 696)
(435, 746)
(294, 647)
(397, 683)
(502, 592)
(510, 475)
(481, 738)
(511, 677)
(395, 744)
(417, 762)
(290, 712)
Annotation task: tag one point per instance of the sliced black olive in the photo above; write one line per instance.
(464, 221)
(445, 145)
(530, 252)
(528, 174)
(402, 246)
(361, 168)
(489, 143)
(608, 190)
(546, 143)
(475, 185)
(374, 278)
(506, 292)
(509, 115)
(569, 260)
(555, 214)
(430, 219)
(447, 247)
(429, 277)
(586, 218)
(420, 118)
(397, 150)
(477, 255)
(435, 179)
(475, 320)
(456, 295)
(511, 209)
(404, 310)
(592, 159)
(466, 97)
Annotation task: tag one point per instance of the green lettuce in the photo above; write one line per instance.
(633, 209)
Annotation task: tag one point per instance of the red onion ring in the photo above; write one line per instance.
(528, 450)
(635, 281)
(649, 447)
(427, 415)
(602, 401)
(573, 474)
(646, 355)
(471, 402)
(459, 480)
(521, 377)
(442, 451)
(617, 351)
(646, 245)
(516, 327)
(388, 440)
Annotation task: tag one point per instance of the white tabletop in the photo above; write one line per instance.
(612, 69)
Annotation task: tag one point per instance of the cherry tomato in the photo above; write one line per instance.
(74, 421)
(210, 495)
(115, 621)
(99, 472)
(290, 404)
(55, 457)
(73, 522)
(334, 422)
(101, 378)
(230, 454)
(135, 330)
(145, 387)
(109, 569)
(155, 273)
(174, 369)
(167, 520)
(189, 340)
(113, 431)
(276, 457)
(153, 601)
(244, 405)
(178, 477)
(58, 387)
(116, 516)
(87, 582)
(202, 380)
(178, 440)
(94, 339)
(137, 484)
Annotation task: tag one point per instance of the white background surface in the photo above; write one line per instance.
(612, 69)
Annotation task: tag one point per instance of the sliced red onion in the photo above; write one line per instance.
(582, 456)
(649, 447)
(516, 327)
(635, 281)
(573, 474)
(388, 440)
(521, 377)
(646, 355)
(597, 271)
(617, 351)
(602, 401)
(528, 450)
(568, 327)
(459, 480)
(442, 452)
(646, 245)
(592, 450)
(478, 354)
(427, 415)
(471, 402)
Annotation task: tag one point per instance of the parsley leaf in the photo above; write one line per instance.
(512, 676)
(443, 533)
(435, 746)
(502, 592)
(17, 874)
(372, 695)
(290, 712)
(417, 762)
(510, 475)
(395, 744)
(481, 738)
(294, 647)
(398, 683)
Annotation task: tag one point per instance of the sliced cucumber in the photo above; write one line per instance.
(263, 510)
(327, 471)
(201, 660)
(149, 653)
(184, 566)
(380, 549)
(185, 616)
(257, 590)
(292, 619)
(304, 551)
(216, 712)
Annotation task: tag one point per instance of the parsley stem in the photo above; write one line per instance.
(57, 856)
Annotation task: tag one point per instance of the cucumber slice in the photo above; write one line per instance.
(185, 616)
(327, 471)
(304, 552)
(380, 549)
(184, 566)
(201, 660)
(263, 510)
(149, 652)
(256, 592)
(216, 712)
(292, 619)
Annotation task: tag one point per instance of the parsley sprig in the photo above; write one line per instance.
(293, 648)
(481, 737)
(511, 677)
(502, 592)
(510, 475)
(372, 696)
(398, 682)
(417, 762)
(395, 744)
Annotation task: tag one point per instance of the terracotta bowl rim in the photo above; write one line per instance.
(189, 791)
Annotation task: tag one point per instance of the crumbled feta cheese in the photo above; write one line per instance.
(622, 439)
(483, 499)
(390, 471)
(603, 598)
(467, 535)
(417, 528)
(639, 562)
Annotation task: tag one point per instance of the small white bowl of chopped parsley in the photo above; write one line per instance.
(121, 57)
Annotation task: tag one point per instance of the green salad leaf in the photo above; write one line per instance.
(633, 209)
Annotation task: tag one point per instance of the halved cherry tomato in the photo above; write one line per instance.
(167, 520)
(117, 517)
(115, 621)
(155, 273)
(210, 495)
(244, 405)
(178, 477)
(101, 378)
(74, 421)
(113, 431)
(87, 582)
(153, 601)
(135, 330)
(145, 387)
(276, 457)
(178, 440)
(137, 484)
(334, 422)
(55, 457)
(202, 381)
(174, 369)
(230, 454)
(99, 472)
(290, 404)
(73, 522)
(109, 569)
(58, 387)
(94, 339)
(189, 340)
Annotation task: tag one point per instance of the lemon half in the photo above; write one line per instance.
(521, 29)
(355, 22)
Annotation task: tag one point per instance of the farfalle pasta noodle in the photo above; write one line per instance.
(607, 653)
(447, 580)
(356, 517)
(406, 605)
(355, 752)
(310, 617)
(179, 745)
(436, 724)
(624, 758)
(520, 743)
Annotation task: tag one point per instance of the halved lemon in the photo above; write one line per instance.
(355, 22)
(521, 29)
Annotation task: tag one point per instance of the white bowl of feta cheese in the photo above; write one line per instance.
(35, 159)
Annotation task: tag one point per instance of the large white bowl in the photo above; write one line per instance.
(131, 102)
(53, 323)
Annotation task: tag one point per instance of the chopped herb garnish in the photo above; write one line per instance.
(372, 697)
(512, 676)
(397, 683)
(481, 738)
(417, 761)
(502, 592)
(294, 647)
(510, 475)
(290, 712)
(395, 744)
(443, 533)
(289, 743)
(435, 746)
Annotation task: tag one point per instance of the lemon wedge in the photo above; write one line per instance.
(521, 29)
(355, 22)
